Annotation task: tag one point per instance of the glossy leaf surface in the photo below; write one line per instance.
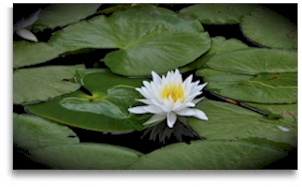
(86, 156)
(218, 13)
(231, 122)
(106, 109)
(30, 53)
(32, 132)
(203, 155)
(57, 15)
(219, 45)
(270, 29)
(42, 83)
(148, 38)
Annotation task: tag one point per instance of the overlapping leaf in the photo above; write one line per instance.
(218, 13)
(42, 83)
(270, 29)
(203, 155)
(148, 38)
(57, 15)
(32, 132)
(86, 156)
(230, 122)
(219, 45)
(106, 109)
(29, 53)
(254, 75)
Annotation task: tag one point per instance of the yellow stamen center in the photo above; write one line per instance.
(174, 90)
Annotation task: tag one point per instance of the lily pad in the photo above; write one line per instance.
(148, 38)
(212, 155)
(261, 88)
(30, 53)
(219, 45)
(253, 75)
(42, 83)
(231, 122)
(57, 15)
(255, 60)
(105, 110)
(32, 132)
(218, 13)
(86, 156)
(270, 29)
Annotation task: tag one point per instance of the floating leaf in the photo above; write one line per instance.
(204, 155)
(219, 45)
(32, 132)
(114, 104)
(255, 60)
(86, 156)
(29, 53)
(42, 83)
(148, 38)
(105, 110)
(253, 75)
(231, 122)
(218, 13)
(261, 88)
(57, 15)
(270, 29)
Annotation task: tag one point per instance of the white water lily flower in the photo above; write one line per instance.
(168, 97)
(20, 26)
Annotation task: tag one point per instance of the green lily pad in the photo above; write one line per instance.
(113, 8)
(114, 104)
(218, 13)
(105, 110)
(219, 45)
(57, 15)
(255, 60)
(253, 75)
(231, 122)
(29, 53)
(212, 155)
(270, 29)
(86, 156)
(148, 38)
(262, 88)
(32, 132)
(42, 83)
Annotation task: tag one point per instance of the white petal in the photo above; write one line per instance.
(26, 34)
(146, 93)
(176, 105)
(25, 23)
(203, 85)
(186, 112)
(171, 119)
(156, 118)
(145, 101)
(192, 96)
(284, 129)
(138, 110)
(153, 109)
(156, 78)
(183, 105)
(147, 85)
(187, 85)
(197, 100)
(188, 80)
(177, 76)
(167, 106)
(200, 114)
